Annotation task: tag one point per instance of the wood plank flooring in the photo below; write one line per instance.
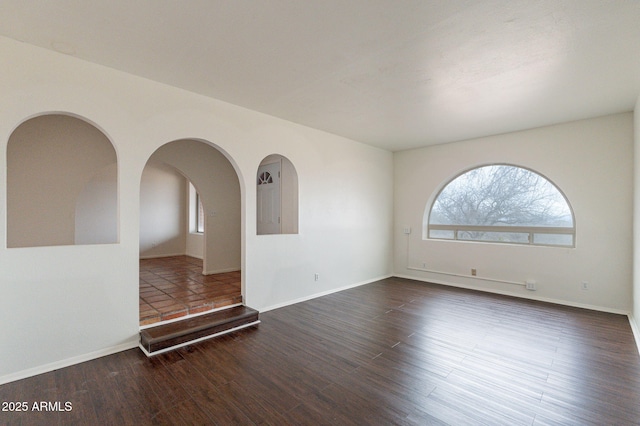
(391, 352)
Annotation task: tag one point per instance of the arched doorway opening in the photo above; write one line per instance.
(185, 269)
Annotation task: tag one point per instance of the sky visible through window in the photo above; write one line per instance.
(501, 196)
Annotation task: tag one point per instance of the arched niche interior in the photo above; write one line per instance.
(277, 196)
(166, 203)
(61, 184)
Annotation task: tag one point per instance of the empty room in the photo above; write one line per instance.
(336, 212)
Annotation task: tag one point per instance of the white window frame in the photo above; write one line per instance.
(199, 210)
(532, 231)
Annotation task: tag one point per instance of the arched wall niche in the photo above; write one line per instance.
(216, 180)
(61, 183)
(276, 196)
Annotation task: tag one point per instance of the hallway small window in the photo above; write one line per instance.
(501, 203)
(199, 215)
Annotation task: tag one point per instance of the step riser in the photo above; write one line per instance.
(191, 342)
(165, 337)
(153, 347)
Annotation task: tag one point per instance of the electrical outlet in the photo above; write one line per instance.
(406, 230)
(316, 277)
(530, 285)
(474, 272)
(585, 285)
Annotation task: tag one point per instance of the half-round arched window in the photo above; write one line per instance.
(501, 203)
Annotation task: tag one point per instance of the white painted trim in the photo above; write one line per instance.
(191, 342)
(157, 324)
(194, 256)
(635, 330)
(216, 271)
(157, 256)
(324, 293)
(473, 277)
(221, 271)
(46, 368)
(508, 293)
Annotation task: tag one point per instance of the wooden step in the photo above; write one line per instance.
(162, 338)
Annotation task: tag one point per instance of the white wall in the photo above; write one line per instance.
(66, 304)
(591, 161)
(97, 208)
(289, 197)
(195, 245)
(635, 313)
(163, 219)
(345, 193)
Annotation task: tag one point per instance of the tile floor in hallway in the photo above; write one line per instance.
(172, 287)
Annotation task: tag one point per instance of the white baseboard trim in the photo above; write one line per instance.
(220, 271)
(211, 272)
(508, 293)
(635, 330)
(196, 256)
(157, 256)
(323, 293)
(46, 368)
(133, 343)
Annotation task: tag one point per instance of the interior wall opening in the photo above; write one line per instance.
(61, 184)
(190, 222)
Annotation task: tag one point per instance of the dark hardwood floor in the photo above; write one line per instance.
(391, 352)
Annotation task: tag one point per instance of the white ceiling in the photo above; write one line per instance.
(396, 74)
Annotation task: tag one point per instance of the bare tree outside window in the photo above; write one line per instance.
(502, 203)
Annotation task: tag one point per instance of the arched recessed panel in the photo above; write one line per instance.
(61, 184)
(501, 203)
(277, 196)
